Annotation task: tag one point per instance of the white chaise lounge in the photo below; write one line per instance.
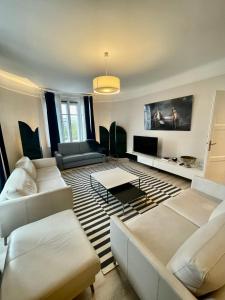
(50, 259)
(176, 250)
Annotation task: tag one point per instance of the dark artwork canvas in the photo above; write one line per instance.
(174, 114)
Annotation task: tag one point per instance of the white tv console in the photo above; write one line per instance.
(168, 166)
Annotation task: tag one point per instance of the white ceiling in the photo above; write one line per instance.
(60, 44)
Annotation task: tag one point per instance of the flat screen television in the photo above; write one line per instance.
(145, 144)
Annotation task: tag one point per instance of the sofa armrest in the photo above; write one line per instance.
(18, 212)
(44, 162)
(147, 274)
(59, 160)
(209, 187)
(102, 150)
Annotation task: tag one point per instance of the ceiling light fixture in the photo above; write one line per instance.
(106, 84)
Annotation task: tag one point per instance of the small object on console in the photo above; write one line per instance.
(188, 160)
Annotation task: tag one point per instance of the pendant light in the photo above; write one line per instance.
(106, 84)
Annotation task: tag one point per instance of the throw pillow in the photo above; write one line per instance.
(19, 184)
(199, 262)
(220, 209)
(28, 166)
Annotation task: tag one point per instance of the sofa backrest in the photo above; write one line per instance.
(209, 187)
(85, 147)
(78, 147)
(69, 148)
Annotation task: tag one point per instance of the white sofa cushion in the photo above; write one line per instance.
(193, 205)
(162, 230)
(50, 184)
(199, 262)
(47, 173)
(27, 165)
(19, 184)
(220, 209)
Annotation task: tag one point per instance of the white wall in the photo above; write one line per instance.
(130, 115)
(16, 107)
(102, 115)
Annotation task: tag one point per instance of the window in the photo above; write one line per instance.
(72, 129)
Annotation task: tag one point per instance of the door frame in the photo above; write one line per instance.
(210, 128)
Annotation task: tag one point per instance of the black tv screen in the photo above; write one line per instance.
(145, 144)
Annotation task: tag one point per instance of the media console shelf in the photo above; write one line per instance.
(168, 166)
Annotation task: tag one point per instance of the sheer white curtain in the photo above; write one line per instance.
(71, 117)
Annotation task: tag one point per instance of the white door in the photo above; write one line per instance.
(215, 166)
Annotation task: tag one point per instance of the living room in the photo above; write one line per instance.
(112, 160)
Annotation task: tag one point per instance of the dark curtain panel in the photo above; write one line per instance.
(4, 166)
(52, 121)
(89, 117)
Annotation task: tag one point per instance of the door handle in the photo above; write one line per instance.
(210, 145)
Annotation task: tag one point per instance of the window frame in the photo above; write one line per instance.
(69, 101)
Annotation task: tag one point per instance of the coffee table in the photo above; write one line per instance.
(118, 183)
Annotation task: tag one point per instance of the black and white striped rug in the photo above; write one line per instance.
(94, 213)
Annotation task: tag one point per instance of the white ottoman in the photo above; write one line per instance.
(49, 259)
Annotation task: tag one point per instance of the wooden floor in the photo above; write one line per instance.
(114, 285)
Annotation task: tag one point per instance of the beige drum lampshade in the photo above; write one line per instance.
(106, 85)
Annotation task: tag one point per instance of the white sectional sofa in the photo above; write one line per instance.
(49, 256)
(176, 250)
(33, 191)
